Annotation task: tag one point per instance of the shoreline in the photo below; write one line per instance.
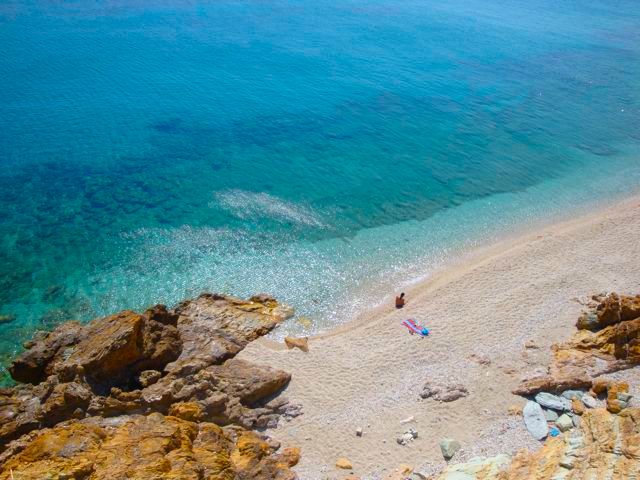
(481, 310)
(500, 244)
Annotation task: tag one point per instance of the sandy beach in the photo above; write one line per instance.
(369, 374)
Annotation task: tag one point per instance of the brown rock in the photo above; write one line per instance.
(142, 447)
(289, 457)
(553, 384)
(190, 411)
(577, 406)
(514, 411)
(159, 313)
(600, 386)
(33, 365)
(216, 327)
(226, 393)
(128, 364)
(629, 307)
(617, 344)
(614, 404)
(344, 464)
(610, 310)
(300, 343)
(121, 344)
(589, 354)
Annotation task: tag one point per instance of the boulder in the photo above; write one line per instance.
(535, 420)
(572, 394)
(589, 402)
(216, 327)
(554, 383)
(564, 423)
(120, 345)
(449, 447)
(140, 447)
(299, 343)
(36, 363)
(553, 402)
(550, 415)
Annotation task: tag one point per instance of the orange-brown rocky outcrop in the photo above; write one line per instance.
(141, 447)
(607, 341)
(173, 362)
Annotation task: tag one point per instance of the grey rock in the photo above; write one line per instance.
(624, 397)
(567, 462)
(564, 423)
(571, 394)
(588, 321)
(576, 419)
(443, 393)
(358, 432)
(589, 401)
(550, 415)
(553, 401)
(417, 476)
(449, 447)
(407, 437)
(535, 420)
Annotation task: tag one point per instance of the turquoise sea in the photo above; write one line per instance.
(325, 152)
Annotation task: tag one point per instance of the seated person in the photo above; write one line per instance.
(400, 301)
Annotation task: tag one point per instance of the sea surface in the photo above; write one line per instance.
(326, 152)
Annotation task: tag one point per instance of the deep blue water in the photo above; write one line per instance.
(316, 150)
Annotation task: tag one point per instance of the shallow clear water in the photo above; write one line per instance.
(325, 152)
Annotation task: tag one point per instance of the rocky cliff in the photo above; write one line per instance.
(144, 395)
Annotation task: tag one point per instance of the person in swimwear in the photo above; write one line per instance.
(400, 301)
